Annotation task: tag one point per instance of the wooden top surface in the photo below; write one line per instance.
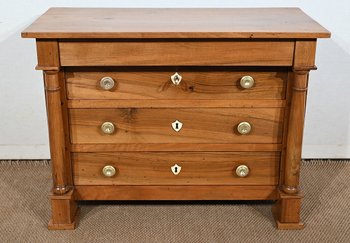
(175, 23)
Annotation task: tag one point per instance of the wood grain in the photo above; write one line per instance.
(149, 168)
(47, 54)
(142, 147)
(285, 124)
(175, 23)
(305, 53)
(303, 62)
(48, 59)
(176, 192)
(65, 212)
(295, 132)
(155, 103)
(56, 125)
(177, 53)
(204, 84)
(154, 125)
(68, 162)
(287, 211)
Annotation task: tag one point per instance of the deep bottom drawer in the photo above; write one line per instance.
(175, 168)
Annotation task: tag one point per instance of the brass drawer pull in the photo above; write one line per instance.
(107, 128)
(244, 128)
(247, 82)
(242, 171)
(176, 78)
(109, 171)
(107, 83)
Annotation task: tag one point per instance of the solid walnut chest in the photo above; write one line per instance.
(175, 104)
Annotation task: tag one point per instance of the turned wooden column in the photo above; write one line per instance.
(56, 132)
(63, 202)
(287, 208)
(295, 132)
(304, 61)
(48, 62)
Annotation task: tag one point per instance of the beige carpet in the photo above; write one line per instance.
(24, 213)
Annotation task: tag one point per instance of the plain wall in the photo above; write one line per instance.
(23, 128)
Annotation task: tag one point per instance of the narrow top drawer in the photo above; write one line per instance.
(178, 53)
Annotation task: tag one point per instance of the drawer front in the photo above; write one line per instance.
(151, 84)
(177, 53)
(197, 125)
(174, 168)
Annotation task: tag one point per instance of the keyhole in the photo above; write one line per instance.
(175, 169)
(176, 125)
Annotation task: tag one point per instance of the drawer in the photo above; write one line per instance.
(185, 125)
(150, 83)
(177, 53)
(174, 168)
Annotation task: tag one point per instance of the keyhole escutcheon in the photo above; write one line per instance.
(176, 169)
(177, 125)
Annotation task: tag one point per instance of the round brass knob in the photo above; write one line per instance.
(247, 82)
(244, 128)
(242, 171)
(107, 83)
(107, 128)
(109, 171)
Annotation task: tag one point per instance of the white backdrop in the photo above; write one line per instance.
(23, 129)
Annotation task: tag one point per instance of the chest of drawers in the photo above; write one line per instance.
(175, 104)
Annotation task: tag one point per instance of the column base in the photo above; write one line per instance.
(65, 213)
(65, 226)
(286, 211)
